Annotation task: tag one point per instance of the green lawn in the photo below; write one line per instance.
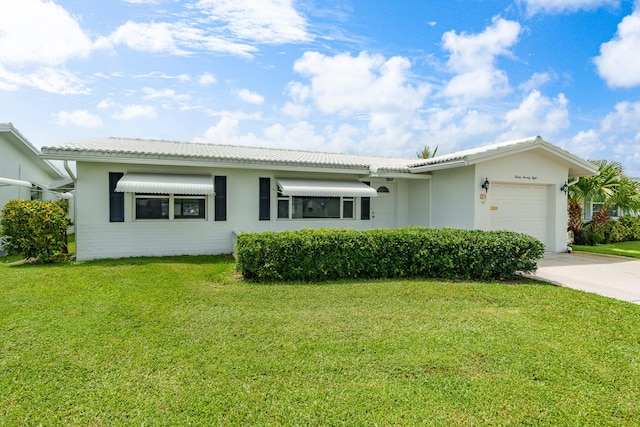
(183, 341)
(628, 249)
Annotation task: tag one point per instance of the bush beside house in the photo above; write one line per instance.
(329, 254)
(35, 229)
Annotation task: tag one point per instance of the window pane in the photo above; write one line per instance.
(221, 198)
(188, 208)
(152, 208)
(283, 209)
(347, 209)
(116, 200)
(365, 208)
(316, 207)
(264, 209)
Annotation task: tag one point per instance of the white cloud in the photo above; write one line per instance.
(154, 37)
(249, 97)
(585, 144)
(207, 79)
(227, 131)
(39, 32)
(36, 39)
(48, 79)
(536, 81)
(618, 132)
(618, 62)
(163, 94)
(105, 104)
(537, 115)
(565, 6)
(472, 57)
(369, 85)
(174, 38)
(130, 112)
(266, 21)
(79, 118)
(625, 119)
(478, 84)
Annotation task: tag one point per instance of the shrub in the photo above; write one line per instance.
(329, 254)
(626, 228)
(36, 229)
(592, 239)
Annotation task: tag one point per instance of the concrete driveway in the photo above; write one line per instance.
(611, 276)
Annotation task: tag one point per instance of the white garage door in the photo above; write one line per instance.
(521, 208)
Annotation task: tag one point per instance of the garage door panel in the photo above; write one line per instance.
(520, 208)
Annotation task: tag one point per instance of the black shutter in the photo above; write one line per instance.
(116, 200)
(265, 199)
(365, 207)
(220, 185)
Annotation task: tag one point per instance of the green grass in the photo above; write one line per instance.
(628, 249)
(183, 341)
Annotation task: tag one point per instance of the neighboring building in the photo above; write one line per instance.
(23, 174)
(144, 197)
(590, 207)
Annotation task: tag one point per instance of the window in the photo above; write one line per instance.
(36, 193)
(365, 207)
(169, 206)
(613, 211)
(116, 200)
(309, 207)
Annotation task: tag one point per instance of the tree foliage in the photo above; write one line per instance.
(611, 187)
(426, 152)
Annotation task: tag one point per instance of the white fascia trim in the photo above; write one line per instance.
(439, 166)
(208, 163)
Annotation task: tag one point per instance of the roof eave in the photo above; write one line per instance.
(29, 149)
(203, 162)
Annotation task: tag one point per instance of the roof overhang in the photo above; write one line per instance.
(324, 188)
(577, 166)
(28, 149)
(165, 184)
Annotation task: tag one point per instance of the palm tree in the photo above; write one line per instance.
(610, 187)
(426, 152)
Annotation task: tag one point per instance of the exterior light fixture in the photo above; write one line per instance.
(564, 188)
(486, 185)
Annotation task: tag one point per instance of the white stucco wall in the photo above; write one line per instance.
(15, 164)
(452, 198)
(418, 207)
(99, 238)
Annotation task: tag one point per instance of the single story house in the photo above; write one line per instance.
(23, 174)
(153, 198)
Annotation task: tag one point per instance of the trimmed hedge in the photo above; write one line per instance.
(329, 254)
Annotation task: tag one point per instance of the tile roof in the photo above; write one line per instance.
(485, 149)
(157, 149)
(127, 149)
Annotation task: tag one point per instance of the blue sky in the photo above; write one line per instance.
(363, 76)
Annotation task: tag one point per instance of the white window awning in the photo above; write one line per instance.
(165, 184)
(325, 188)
